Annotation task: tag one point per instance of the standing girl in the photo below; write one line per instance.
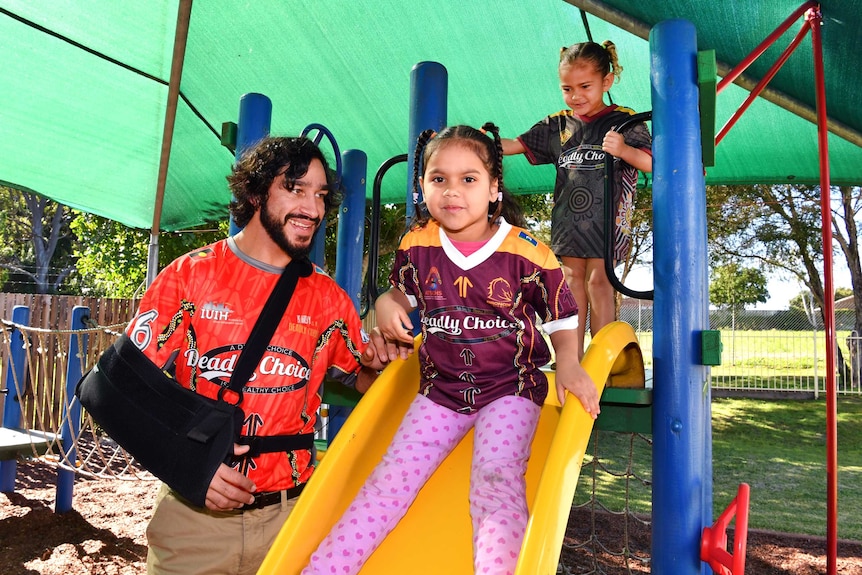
(479, 283)
(577, 140)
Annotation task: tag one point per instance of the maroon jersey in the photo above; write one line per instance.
(480, 338)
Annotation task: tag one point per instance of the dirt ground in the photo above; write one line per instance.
(105, 535)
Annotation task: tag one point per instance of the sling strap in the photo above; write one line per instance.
(270, 443)
(249, 357)
(264, 327)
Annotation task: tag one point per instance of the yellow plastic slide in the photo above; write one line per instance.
(435, 536)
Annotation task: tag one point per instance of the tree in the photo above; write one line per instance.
(800, 300)
(780, 226)
(642, 237)
(36, 240)
(112, 258)
(734, 287)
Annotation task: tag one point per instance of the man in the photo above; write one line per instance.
(193, 322)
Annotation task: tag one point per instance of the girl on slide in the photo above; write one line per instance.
(480, 284)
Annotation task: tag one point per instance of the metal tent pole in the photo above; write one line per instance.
(180, 37)
(814, 18)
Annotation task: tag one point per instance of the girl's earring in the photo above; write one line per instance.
(495, 208)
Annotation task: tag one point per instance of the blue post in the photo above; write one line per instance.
(255, 115)
(428, 104)
(681, 303)
(70, 425)
(15, 371)
(349, 250)
(318, 245)
(351, 225)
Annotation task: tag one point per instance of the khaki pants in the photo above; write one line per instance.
(187, 540)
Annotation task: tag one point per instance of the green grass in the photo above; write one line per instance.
(778, 447)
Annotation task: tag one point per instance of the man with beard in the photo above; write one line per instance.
(193, 322)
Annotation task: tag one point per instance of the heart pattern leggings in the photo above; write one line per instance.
(504, 432)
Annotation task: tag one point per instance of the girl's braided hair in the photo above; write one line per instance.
(489, 150)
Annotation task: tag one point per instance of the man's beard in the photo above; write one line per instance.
(275, 229)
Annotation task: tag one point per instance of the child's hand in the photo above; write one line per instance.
(614, 144)
(394, 324)
(574, 379)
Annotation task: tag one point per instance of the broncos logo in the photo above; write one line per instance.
(500, 293)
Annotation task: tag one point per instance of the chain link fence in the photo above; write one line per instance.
(769, 351)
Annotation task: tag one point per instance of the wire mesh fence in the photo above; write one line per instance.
(769, 351)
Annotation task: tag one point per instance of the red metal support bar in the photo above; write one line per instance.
(815, 20)
(761, 48)
(713, 543)
(762, 83)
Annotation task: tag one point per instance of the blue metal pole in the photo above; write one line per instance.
(351, 225)
(428, 104)
(681, 303)
(429, 83)
(255, 115)
(318, 246)
(70, 426)
(15, 372)
(349, 250)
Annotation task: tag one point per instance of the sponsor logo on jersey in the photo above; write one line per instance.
(304, 324)
(460, 324)
(463, 284)
(432, 284)
(583, 158)
(287, 368)
(217, 312)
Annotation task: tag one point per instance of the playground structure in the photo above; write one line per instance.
(681, 405)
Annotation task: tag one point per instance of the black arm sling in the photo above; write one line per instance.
(175, 433)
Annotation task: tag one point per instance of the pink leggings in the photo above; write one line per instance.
(428, 433)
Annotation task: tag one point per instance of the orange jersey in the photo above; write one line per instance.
(197, 315)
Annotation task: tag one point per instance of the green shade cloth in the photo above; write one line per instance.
(85, 84)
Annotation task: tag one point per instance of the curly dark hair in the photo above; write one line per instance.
(489, 150)
(253, 174)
